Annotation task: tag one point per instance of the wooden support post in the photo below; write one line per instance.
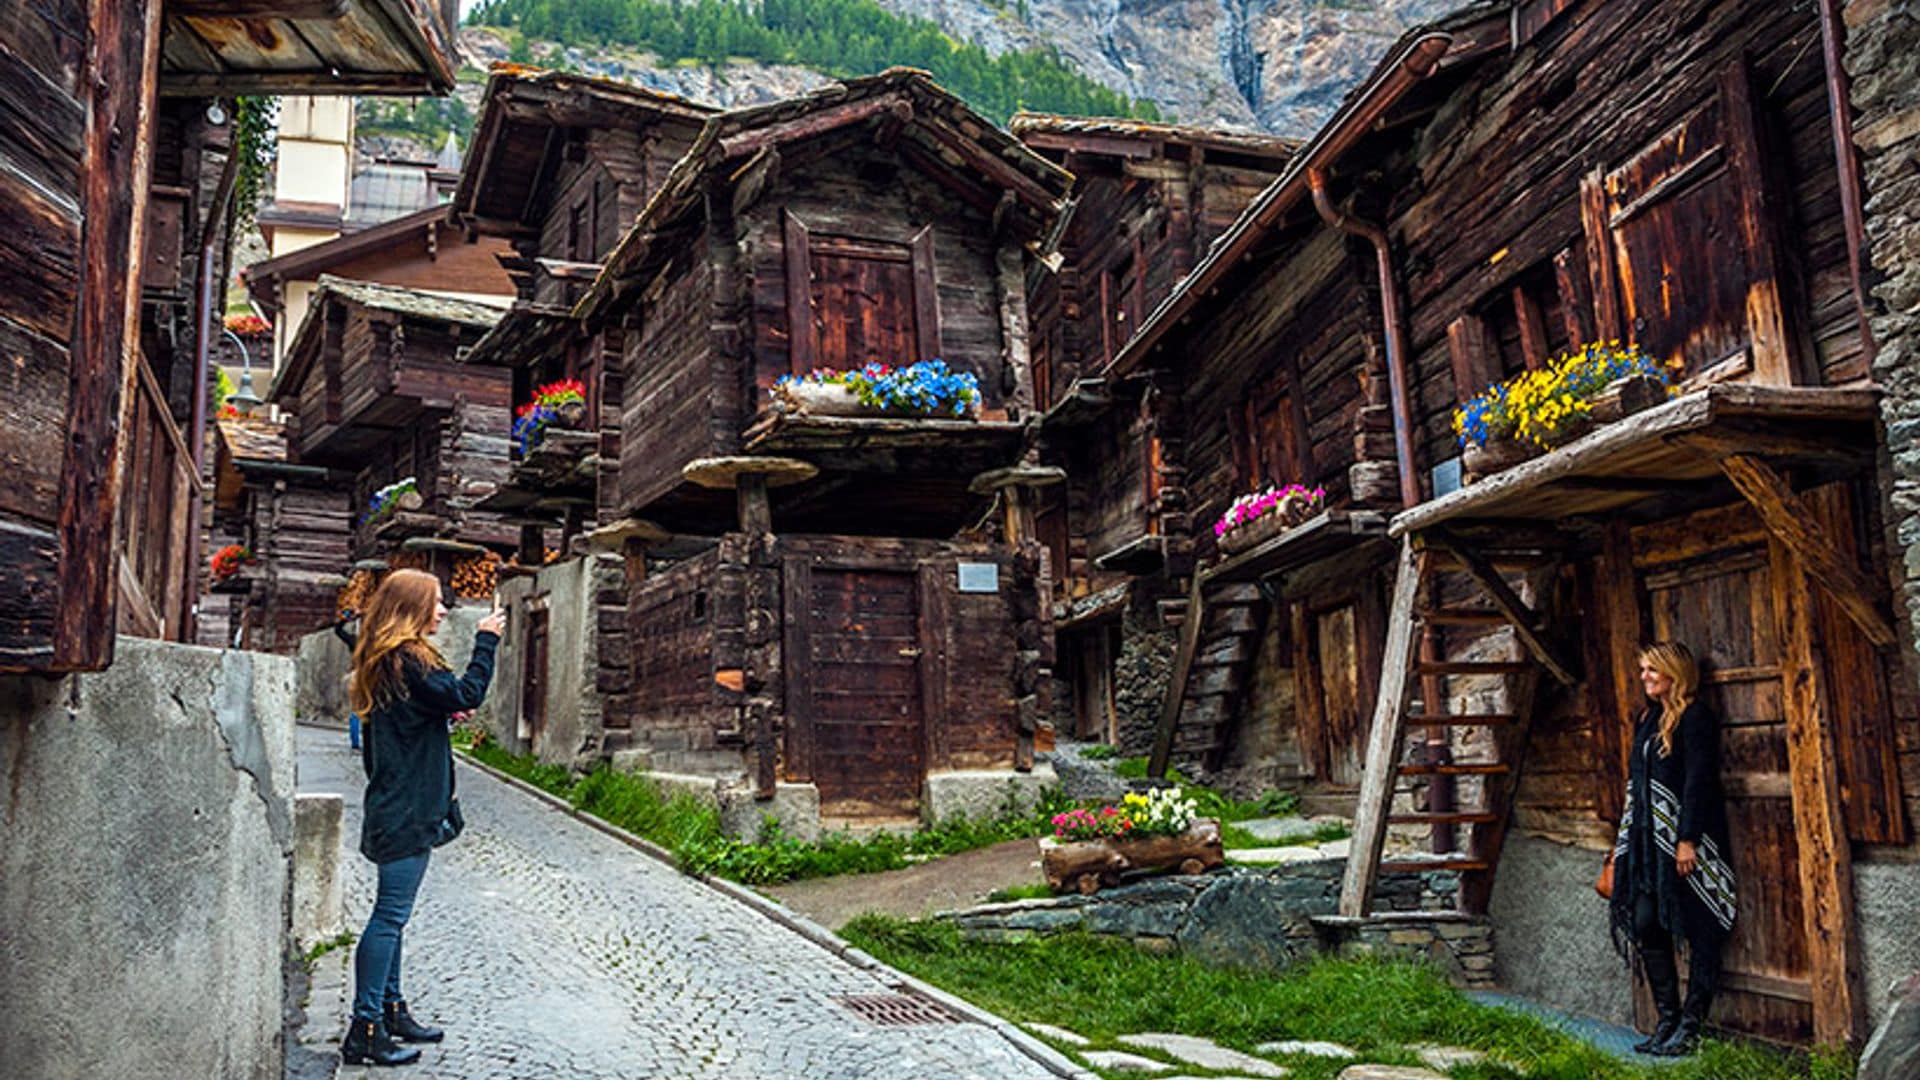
(1177, 684)
(1526, 624)
(1826, 857)
(1794, 524)
(756, 513)
(1617, 594)
(1383, 739)
(533, 546)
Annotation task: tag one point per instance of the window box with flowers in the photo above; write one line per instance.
(561, 405)
(1546, 409)
(928, 389)
(399, 496)
(1091, 848)
(1258, 517)
(229, 568)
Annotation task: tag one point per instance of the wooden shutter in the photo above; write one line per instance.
(1681, 246)
(1476, 361)
(853, 301)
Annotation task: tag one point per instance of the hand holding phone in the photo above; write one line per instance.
(496, 620)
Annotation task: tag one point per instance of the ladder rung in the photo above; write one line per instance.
(1468, 768)
(1459, 616)
(1416, 865)
(1452, 817)
(1473, 667)
(1488, 719)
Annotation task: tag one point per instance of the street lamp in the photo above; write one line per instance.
(243, 399)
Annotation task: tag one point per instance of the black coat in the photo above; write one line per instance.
(409, 757)
(1671, 800)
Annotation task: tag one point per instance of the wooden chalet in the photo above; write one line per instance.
(560, 165)
(834, 605)
(115, 181)
(1149, 201)
(298, 529)
(376, 388)
(1510, 183)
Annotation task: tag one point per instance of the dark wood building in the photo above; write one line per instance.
(377, 389)
(117, 218)
(838, 608)
(1512, 182)
(1149, 201)
(293, 521)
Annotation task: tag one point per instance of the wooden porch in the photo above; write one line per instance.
(1744, 461)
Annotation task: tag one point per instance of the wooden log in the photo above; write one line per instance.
(1795, 525)
(1177, 684)
(1383, 741)
(1826, 857)
(1089, 865)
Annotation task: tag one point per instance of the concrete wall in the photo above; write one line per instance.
(573, 733)
(1886, 899)
(1555, 947)
(324, 663)
(145, 872)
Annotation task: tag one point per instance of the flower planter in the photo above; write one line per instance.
(571, 414)
(1480, 461)
(1624, 397)
(837, 399)
(1090, 865)
(1292, 512)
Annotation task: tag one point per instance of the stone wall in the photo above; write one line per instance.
(1267, 919)
(573, 733)
(1141, 671)
(1883, 61)
(145, 874)
(1555, 946)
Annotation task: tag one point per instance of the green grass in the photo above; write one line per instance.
(344, 939)
(1214, 804)
(1036, 891)
(1102, 988)
(690, 828)
(1100, 752)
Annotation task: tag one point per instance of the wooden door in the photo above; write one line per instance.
(1093, 684)
(1720, 604)
(856, 688)
(1333, 712)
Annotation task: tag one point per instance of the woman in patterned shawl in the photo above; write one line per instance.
(1672, 875)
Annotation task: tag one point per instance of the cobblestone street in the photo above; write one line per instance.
(547, 949)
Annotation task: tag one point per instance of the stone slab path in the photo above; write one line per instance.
(548, 949)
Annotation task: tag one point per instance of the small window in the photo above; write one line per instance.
(700, 606)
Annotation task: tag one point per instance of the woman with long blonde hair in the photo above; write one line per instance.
(1671, 874)
(402, 687)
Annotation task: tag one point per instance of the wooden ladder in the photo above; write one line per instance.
(1423, 560)
(1220, 631)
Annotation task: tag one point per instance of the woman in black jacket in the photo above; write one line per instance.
(1671, 872)
(408, 697)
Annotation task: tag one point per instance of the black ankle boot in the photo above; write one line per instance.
(1662, 1031)
(367, 1043)
(1684, 1040)
(402, 1025)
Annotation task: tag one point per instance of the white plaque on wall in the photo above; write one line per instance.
(979, 577)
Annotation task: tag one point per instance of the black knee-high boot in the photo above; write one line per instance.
(1703, 978)
(1663, 979)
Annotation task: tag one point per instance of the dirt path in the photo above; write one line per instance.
(953, 882)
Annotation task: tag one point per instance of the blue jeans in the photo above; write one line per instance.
(376, 961)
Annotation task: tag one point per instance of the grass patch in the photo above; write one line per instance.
(1214, 804)
(1103, 988)
(1035, 891)
(1100, 752)
(690, 828)
(344, 939)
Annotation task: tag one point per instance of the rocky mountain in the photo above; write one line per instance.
(1277, 65)
(1274, 65)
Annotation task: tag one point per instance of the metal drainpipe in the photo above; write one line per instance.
(210, 234)
(1440, 793)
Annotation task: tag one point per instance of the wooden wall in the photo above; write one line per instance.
(1489, 196)
(77, 92)
(673, 699)
(668, 383)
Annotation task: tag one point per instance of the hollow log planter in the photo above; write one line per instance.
(1087, 866)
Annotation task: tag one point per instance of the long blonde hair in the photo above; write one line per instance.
(1675, 661)
(395, 627)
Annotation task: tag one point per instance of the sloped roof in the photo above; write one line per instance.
(308, 47)
(937, 130)
(408, 303)
(522, 108)
(253, 438)
(1025, 125)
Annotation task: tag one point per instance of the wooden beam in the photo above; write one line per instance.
(1383, 739)
(1617, 596)
(1796, 526)
(805, 126)
(1826, 856)
(259, 9)
(1177, 684)
(1780, 445)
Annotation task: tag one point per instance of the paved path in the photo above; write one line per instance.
(548, 949)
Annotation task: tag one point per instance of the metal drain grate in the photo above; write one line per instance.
(896, 1010)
